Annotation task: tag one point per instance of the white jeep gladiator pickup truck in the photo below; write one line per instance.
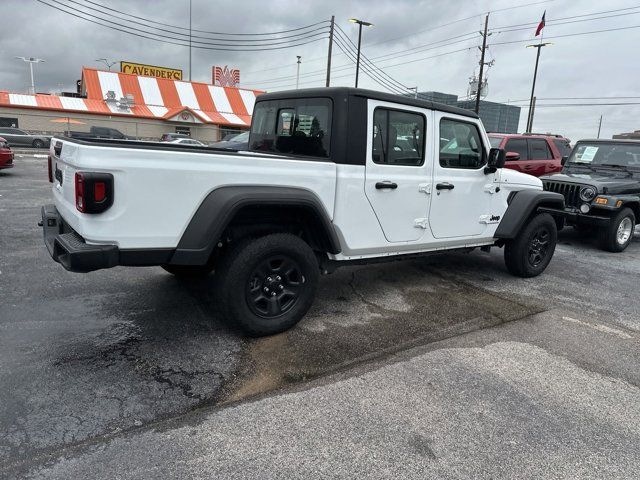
(333, 176)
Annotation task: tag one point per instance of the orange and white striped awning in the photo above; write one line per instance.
(152, 98)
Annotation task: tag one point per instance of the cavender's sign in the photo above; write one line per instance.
(150, 70)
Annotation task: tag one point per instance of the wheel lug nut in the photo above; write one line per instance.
(268, 279)
(278, 278)
(273, 294)
(281, 287)
(266, 289)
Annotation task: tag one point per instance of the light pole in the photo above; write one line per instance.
(31, 61)
(533, 87)
(298, 71)
(360, 24)
(106, 62)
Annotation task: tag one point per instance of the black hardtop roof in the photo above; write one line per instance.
(336, 93)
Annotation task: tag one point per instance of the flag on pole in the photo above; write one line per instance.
(541, 24)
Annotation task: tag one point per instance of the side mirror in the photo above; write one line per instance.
(495, 161)
(564, 160)
(513, 156)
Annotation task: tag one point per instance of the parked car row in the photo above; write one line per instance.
(534, 154)
(19, 138)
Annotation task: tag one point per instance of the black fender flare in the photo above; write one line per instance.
(522, 205)
(219, 207)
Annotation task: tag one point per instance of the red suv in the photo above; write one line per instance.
(532, 153)
(6, 155)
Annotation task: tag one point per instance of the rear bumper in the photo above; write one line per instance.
(70, 250)
(6, 160)
(576, 218)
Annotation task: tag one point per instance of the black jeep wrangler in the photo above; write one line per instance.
(601, 186)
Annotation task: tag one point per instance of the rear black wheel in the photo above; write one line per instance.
(266, 285)
(531, 251)
(38, 143)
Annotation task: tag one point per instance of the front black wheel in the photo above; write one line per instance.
(531, 251)
(266, 285)
(618, 234)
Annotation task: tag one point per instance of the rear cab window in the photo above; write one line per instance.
(297, 127)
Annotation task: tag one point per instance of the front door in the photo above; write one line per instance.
(462, 192)
(398, 169)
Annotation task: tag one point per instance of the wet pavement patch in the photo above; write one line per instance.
(364, 313)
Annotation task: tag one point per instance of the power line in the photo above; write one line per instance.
(146, 23)
(554, 24)
(568, 35)
(175, 41)
(201, 31)
(414, 33)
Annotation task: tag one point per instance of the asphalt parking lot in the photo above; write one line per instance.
(443, 367)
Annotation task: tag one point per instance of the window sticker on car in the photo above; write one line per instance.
(588, 154)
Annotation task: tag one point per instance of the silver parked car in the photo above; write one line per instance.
(19, 138)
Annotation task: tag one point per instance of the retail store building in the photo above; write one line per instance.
(138, 106)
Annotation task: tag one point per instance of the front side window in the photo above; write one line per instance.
(398, 137)
(539, 149)
(519, 146)
(296, 126)
(460, 145)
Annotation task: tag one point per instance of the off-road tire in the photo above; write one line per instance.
(609, 235)
(189, 271)
(38, 144)
(242, 290)
(523, 255)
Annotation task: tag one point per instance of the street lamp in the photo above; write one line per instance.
(533, 87)
(31, 61)
(298, 71)
(360, 23)
(106, 62)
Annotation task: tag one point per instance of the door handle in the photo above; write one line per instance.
(444, 186)
(386, 184)
(528, 167)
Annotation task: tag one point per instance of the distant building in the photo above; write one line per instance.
(629, 136)
(496, 117)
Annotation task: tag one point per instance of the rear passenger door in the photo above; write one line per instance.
(541, 156)
(398, 169)
(519, 146)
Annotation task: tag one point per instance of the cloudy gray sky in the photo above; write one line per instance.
(404, 34)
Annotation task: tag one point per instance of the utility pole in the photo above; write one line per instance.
(360, 24)
(31, 61)
(599, 126)
(189, 40)
(298, 72)
(533, 86)
(484, 48)
(333, 19)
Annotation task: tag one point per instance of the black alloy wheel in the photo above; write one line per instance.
(274, 286)
(538, 246)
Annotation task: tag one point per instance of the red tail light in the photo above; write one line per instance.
(94, 192)
(50, 168)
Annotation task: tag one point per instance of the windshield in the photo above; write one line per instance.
(495, 141)
(622, 154)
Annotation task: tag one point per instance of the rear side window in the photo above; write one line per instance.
(539, 149)
(563, 147)
(519, 146)
(398, 137)
(460, 145)
(296, 126)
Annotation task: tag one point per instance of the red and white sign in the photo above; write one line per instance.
(225, 77)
